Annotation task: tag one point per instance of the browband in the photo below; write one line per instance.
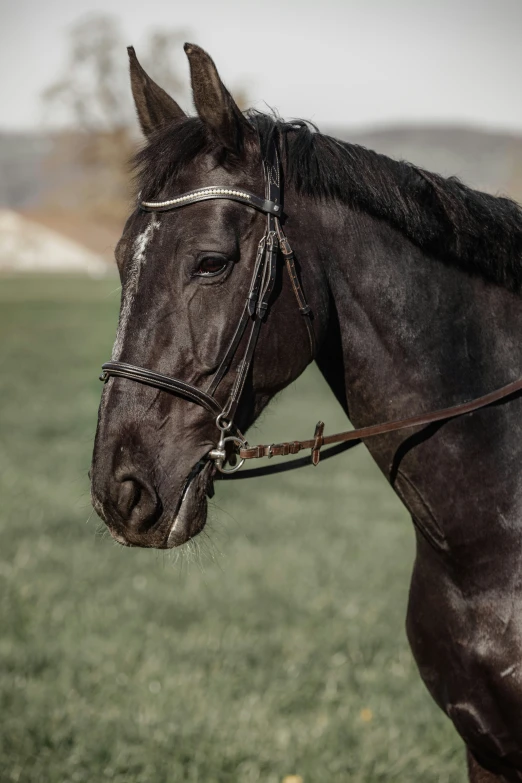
(220, 191)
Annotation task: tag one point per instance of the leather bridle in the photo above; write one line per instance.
(255, 310)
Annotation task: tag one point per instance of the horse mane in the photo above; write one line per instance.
(479, 232)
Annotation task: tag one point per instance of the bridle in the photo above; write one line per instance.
(255, 311)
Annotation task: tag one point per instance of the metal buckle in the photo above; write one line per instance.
(272, 242)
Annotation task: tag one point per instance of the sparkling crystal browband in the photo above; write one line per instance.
(219, 192)
(191, 196)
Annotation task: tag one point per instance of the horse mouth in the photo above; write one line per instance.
(191, 513)
(173, 529)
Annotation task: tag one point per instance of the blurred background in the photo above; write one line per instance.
(272, 648)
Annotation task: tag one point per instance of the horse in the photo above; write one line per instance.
(403, 286)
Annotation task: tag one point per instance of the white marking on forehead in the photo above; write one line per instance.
(131, 286)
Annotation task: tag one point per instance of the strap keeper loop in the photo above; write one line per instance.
(272, 241)
(252, 301)
(318, 442)
(286, 250)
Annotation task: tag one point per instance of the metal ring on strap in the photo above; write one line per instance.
(219, 454)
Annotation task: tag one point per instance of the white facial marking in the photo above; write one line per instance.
(131, 286)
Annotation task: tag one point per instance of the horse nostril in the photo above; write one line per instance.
(138, 504)
(129, 493)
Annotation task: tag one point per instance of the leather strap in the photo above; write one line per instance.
(304, 307)
(140, 374)
(230, 352)
(319, 440)
(263, 281)
(290, 464)
(261, 289)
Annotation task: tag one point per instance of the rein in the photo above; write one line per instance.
(254, 313)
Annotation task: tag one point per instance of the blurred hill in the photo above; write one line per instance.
(36, 179)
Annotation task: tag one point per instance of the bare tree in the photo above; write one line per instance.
(93, 100)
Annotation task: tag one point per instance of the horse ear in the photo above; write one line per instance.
(213, 102)
(154, 107)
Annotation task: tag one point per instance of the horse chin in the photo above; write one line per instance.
(191, 514)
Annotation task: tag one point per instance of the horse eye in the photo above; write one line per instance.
(210, 266)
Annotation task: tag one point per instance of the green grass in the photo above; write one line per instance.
(246, 659)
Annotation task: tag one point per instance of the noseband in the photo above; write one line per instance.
(255, 310)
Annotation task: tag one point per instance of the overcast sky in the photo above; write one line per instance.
(349, 62)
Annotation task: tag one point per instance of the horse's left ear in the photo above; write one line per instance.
(213, 102)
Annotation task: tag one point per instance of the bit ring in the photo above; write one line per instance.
(219, 459)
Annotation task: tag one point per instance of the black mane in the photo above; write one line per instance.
(477, 231)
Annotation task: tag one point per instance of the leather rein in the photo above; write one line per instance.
(255, 310)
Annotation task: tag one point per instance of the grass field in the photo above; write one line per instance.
(273, 646)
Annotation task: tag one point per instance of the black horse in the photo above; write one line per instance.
(413, 282)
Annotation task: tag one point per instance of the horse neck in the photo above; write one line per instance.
(406, 333)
